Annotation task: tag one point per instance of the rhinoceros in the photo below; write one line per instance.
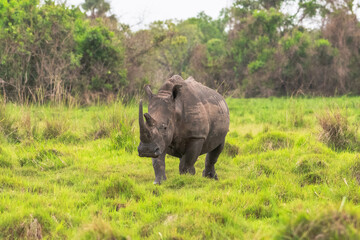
(185, 119)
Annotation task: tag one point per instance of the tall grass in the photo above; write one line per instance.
(337, 132)
(277, 179)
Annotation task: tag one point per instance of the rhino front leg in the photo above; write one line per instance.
(159, 168)
(211, 159)
(193, 150)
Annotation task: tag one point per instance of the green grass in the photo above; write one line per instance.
(74, 173)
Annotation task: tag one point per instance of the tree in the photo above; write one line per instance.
(97, 8)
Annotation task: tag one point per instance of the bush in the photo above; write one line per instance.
(50, 51)
(102, 58)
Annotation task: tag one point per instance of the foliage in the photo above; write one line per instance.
(259, 48)
(47, 52)
(97, 7)
(102, 58)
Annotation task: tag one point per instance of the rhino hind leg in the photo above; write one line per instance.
(187, 161)
(159, 168)
(211, 159)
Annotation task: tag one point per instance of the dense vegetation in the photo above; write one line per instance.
(74, 173)
(50, 51)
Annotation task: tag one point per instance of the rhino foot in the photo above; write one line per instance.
(159, 180)
(191, 170)
(210, 174)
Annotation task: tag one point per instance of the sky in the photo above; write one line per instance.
(139, 13)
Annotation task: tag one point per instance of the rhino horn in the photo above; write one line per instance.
(149, 120)
(144, 131)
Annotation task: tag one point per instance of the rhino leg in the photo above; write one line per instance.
(211, 159)
(193, 150)
(159, 168)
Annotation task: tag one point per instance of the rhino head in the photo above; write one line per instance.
(157, 131)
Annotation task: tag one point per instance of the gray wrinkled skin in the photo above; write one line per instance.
(185, 119)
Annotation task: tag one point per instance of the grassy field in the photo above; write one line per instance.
(290, 170)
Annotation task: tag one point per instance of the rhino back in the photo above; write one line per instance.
(203, 114)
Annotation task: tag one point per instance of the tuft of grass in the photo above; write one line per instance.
(124, 139)
(295, 114)
(5, 159)
(28, 129)
(337, 132)
(8, 126)
(309, 163)
(231, 149)
(185, 181)
(115, 187)
(55, 127)
(99, 229)
(47, 159)
(355, 170)
(4, 163)
(312, 178)
(118, 126)
(269, 141)
(263, 207)
(262, 169)
(327, 225)
(22, 228)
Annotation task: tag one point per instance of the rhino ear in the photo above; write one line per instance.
(176, 91)
(148, 91)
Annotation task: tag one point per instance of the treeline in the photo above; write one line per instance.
(50, 51)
